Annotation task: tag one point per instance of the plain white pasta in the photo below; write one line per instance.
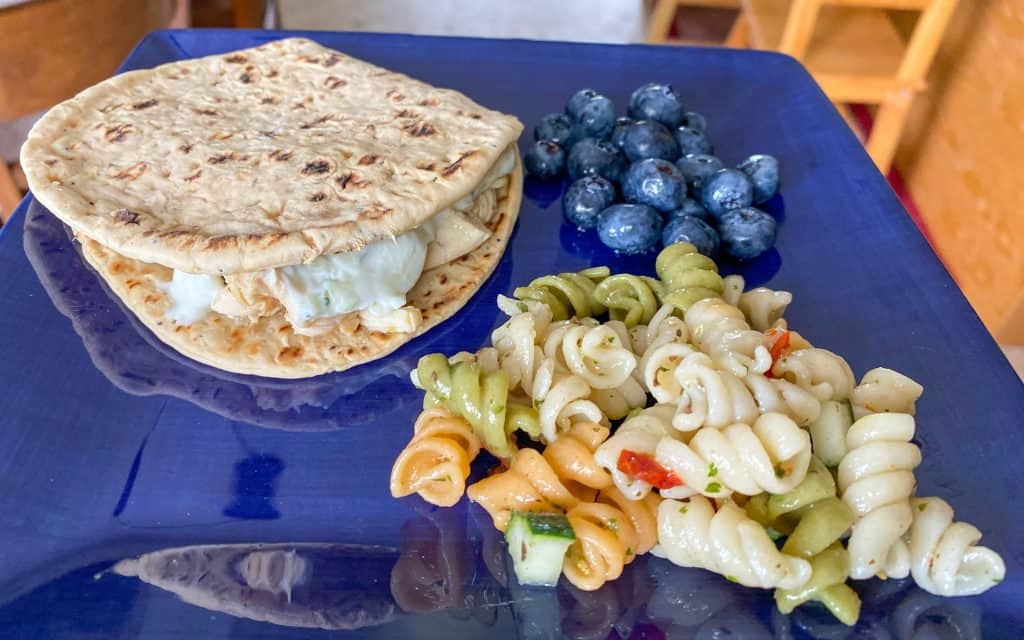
(764, 307)
(618, 402)
(639, 434)
(707, 397)
(692, 533)
(883, 390)
(823, 373)
(598, 355)
(944, 557)
(720, 330)
(876, 480)
(564, 403)
(733, 289)
(782, 396)
(772, 454)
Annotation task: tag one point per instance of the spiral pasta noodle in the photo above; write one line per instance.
(944, 557)
(435, 463)
(567, 295)
(819, 371)
(883, 390)
(554, 481)
(876, 480)
(705, 396)
(772, 454)
(640, 434)
(814, 520)
(721, 331)
(782, 396)
(628, 298)
(607, 538)
(480, 397)
(693, 533)
(688, 276)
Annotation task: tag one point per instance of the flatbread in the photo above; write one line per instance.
(260, 158)
(268, 346)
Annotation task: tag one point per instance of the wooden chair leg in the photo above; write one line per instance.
(888, 127)
(739, 33)
(661, 21)
(10, 196)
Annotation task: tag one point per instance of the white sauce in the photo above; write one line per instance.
(191, 295)
(375, 278)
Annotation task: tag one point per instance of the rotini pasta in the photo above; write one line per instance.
(692, 533)
(704, 396)
(628, 298)
(481, 398)
(607, 538)
(770, 455)
(883, 390)
(435, 463)
(944, 557)
(782, 396)
(876, 480)
(555, 481)
(819, 371)
(596, 354)
(687, 275)
(567, 295)
(639, 434)
(733, 289)
(720, 330)
(764, 307)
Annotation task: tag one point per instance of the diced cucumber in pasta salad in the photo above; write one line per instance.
(681, 416)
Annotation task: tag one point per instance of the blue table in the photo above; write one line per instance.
(112, 445)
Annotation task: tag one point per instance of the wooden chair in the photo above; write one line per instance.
(664, 13)
(856, 53)
(52, 49)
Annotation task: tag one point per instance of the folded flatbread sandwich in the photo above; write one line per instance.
(285, 210)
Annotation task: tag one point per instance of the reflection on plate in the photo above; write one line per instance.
(453, 562)
(320, 586)
(135, 361)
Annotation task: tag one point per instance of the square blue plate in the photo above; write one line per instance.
(112, 445)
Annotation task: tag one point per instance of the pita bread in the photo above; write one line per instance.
(268, 346)
(259, 158)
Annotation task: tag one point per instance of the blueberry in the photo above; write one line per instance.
(692, 141)
(656, 183)
(629, 228)
(590, 157)
(594, 119)
(649, 139)
(658, 102)
(697, 168)
(692, 230)
(694, 120)
(555, 127)
(586, 198)
(690, 209)
(747, 232)
(619, 131)
(763, 171)
(724, 190)
(544, 159)
(576, 102)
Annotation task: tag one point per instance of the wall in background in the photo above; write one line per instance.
(962, 158)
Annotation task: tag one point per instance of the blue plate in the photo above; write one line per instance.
(113, 445)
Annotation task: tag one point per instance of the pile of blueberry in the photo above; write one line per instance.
(652, 176)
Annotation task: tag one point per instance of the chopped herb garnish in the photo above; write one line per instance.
(731, 578)
(610, 340)
(536, 403)
(446, 478)
(712, 470)
(327, 299)
(713, 487)
(612, 526)
(922, 506)
(683, 509)
(499, 408)
(780, 471)
(629, 552)
(522, 307)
